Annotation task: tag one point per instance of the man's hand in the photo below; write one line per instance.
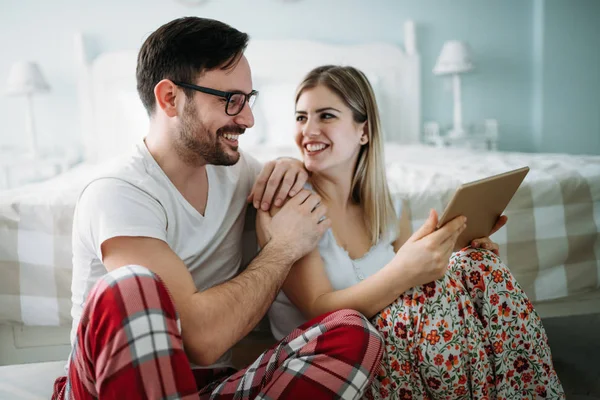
(286, 174)
(486, 242)
(297, 227)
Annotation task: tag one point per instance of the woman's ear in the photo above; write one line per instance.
(364, 139)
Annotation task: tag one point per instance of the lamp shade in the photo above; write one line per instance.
(454, 58)
(26, 78)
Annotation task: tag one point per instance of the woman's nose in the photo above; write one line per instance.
(310, 129)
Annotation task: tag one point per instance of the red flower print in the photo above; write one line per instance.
(547, 368)
(498, 346)
(406, 367)
(429, 289)
(395, 365)
(405, 394)
(420, 355)
(484, 268)
(384, 392)
(447, 336)
(504, 310)
(439, 359)
(433, 337)
(489, 350)
(510, 373)
(476, 256)
(529, 305)
(400, 330)
(509, 285)
(497, 276)
(521, 364)
(462, 380)
(433, 383)
(541, 391)
(494, 299)
(461, 391)
(451, 362)
(475, 277)
(526, 377)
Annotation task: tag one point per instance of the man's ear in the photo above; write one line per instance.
(364, 139)
(166, 95)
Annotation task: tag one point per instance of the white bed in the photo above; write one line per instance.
(551, 243)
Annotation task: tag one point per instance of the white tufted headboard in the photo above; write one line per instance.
(113, 118)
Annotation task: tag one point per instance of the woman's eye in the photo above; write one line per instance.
(300, 118)
(327, 116)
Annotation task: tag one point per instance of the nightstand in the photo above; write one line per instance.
(482, 137)
(19, 168)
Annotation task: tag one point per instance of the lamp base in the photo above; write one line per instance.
(456, 133)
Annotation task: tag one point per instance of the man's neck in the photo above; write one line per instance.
(181, 174)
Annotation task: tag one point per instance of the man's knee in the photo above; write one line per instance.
(351, 320)
(133, 284)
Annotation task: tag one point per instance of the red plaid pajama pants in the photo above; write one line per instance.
(128, 346)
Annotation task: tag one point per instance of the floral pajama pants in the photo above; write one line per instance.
(472, 334)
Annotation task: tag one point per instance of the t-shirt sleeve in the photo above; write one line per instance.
(254, 167)
(111, 207)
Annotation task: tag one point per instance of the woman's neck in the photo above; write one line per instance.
(334, 188)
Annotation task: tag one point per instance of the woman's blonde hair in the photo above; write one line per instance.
(369, 185)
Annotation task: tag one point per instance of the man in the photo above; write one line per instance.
(157, 247)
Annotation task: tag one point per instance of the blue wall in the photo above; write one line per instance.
(505, 85)
(568, 73)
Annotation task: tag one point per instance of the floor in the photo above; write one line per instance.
(575, 344)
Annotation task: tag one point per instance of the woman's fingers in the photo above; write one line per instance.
(499, 224)
(447, 231)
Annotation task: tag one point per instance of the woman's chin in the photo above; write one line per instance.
(312, 166)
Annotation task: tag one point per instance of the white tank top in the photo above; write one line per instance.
(342, 271)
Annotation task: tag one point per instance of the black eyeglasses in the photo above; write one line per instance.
(235, 100)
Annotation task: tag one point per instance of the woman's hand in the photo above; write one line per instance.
(486, 242)
(425, 255)
(286, 174)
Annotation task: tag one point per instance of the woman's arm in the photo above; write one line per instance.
(308, 287)
(404, 227)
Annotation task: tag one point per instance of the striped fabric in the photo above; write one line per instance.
(129, 346)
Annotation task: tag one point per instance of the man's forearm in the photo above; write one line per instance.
(222, 315)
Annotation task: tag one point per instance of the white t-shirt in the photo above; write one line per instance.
(342, 271)
(136, 198)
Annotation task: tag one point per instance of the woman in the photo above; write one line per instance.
(455, 325)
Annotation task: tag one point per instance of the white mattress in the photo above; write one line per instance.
(29, 381)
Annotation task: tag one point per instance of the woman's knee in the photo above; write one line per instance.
(471, 254)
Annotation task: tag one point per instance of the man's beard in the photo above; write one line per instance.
(196, 145)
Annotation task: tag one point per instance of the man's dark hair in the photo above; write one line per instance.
(182, 49)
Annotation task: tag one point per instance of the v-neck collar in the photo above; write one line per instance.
(190, 208)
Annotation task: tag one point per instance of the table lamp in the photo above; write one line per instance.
(26, 79)
(454, 59)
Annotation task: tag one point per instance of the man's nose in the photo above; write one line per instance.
(245, 118)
